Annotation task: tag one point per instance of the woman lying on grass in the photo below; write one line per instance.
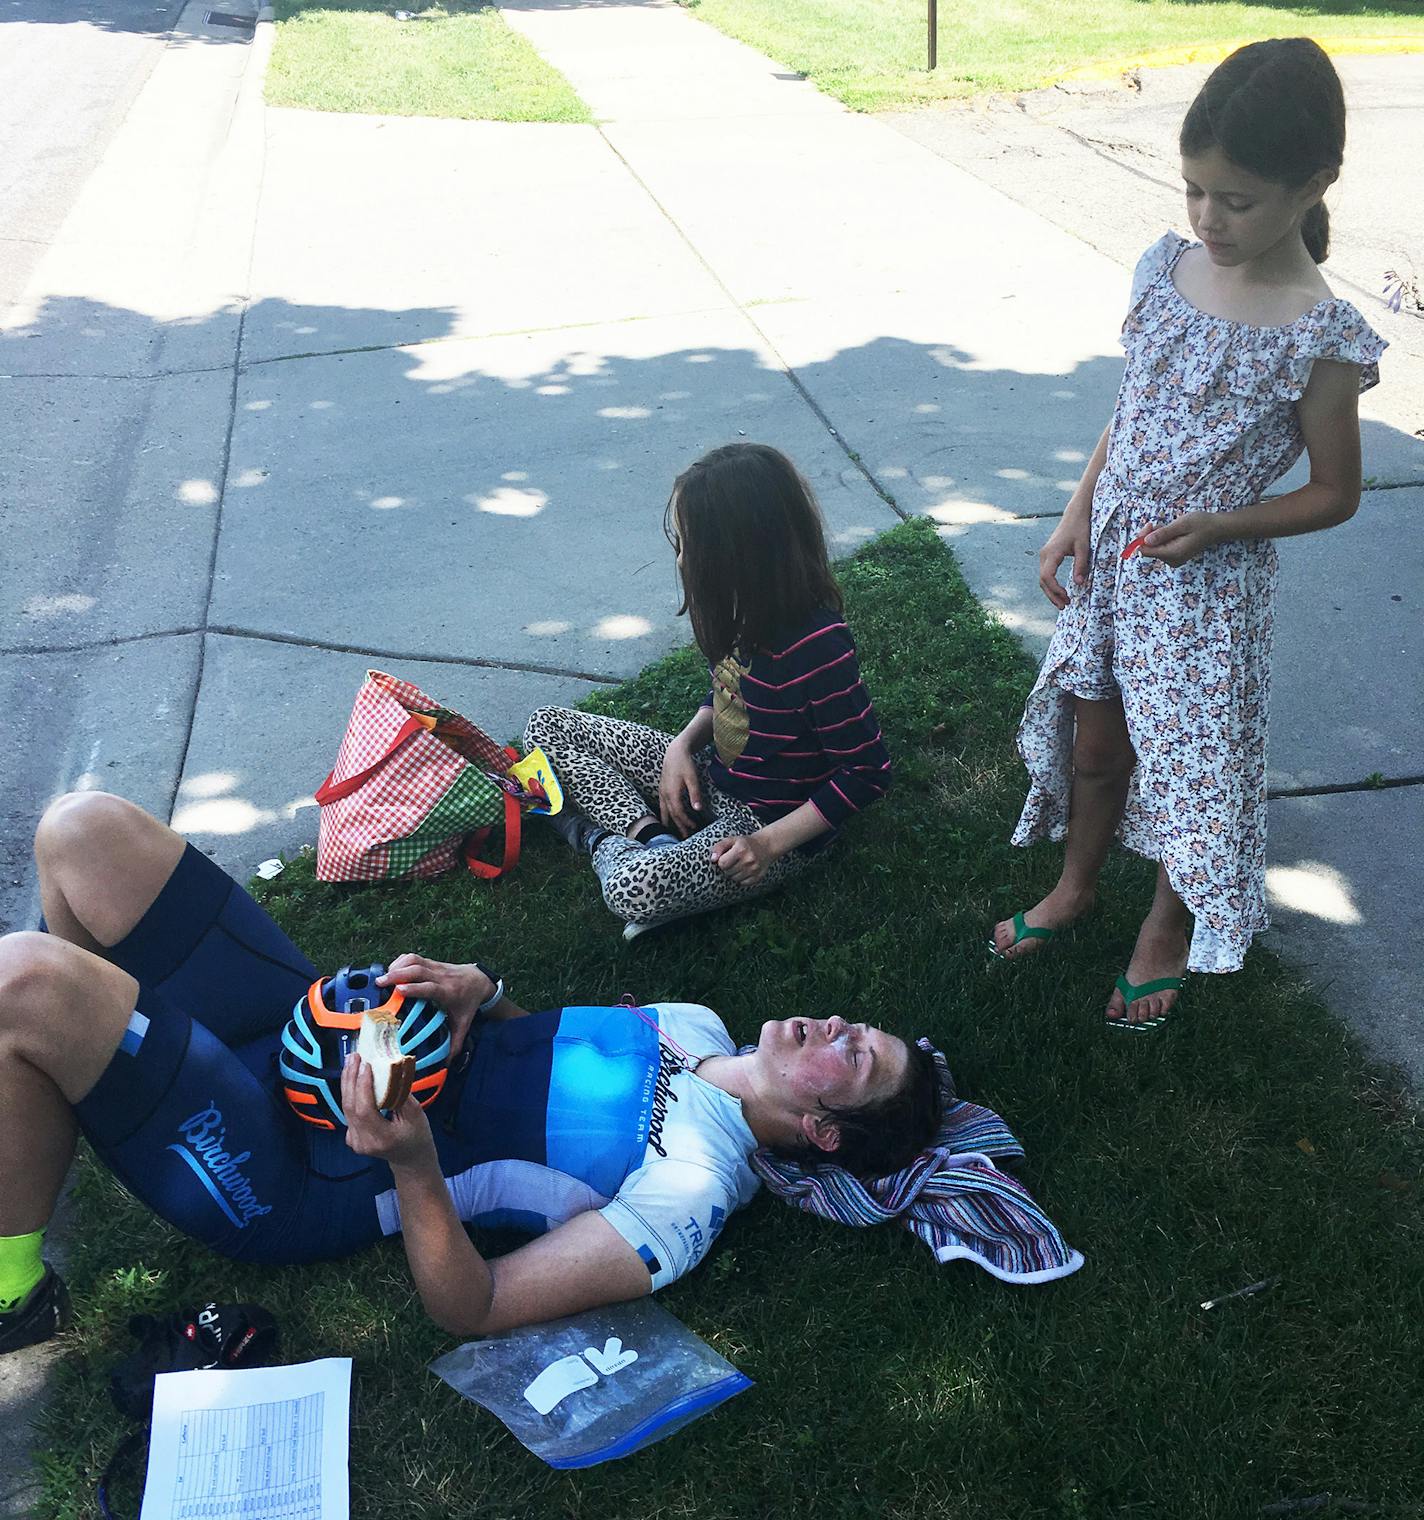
(151, 1016)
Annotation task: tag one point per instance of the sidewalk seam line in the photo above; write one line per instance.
(156, 374)
(482, 337)
(1087, 142)
(113, 642)
(792, 377)
(229, 630)
(1384, 485)
(1337, 788)
(241, 103)
(235, 631)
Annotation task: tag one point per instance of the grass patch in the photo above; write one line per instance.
(888, 1386)
(457, 58)
(871, 54)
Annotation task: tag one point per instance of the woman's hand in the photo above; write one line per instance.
(1071, 539)
(459, 990)
(744, 857)
(680, 789)
(1183, 538)
(404, 1140)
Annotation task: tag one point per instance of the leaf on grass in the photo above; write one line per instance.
(1394, 1182)
(1303, 1144)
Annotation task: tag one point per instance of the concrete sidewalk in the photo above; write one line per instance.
(394, 391)
(298, 394)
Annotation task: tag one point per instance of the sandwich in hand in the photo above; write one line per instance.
(378, 1045)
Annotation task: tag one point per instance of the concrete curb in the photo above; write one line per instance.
(211, 210)
(1213, 52)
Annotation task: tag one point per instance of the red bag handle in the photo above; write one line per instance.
(326, 792)
(512, 824)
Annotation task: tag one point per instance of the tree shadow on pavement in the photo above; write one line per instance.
(201, 560)
(487, 509)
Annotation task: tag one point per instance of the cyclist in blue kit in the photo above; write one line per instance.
(150, 1014)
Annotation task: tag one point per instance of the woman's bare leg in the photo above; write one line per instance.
(63, 1009)
(1161, 950)
(63, 1012)
(1103, 759)
(101, 861)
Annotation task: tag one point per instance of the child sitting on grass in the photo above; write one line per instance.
(785, 748)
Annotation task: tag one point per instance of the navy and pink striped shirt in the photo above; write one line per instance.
(798, 725)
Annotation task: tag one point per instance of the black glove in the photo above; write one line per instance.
(217, 1335)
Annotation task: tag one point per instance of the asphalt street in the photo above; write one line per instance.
(69, 70)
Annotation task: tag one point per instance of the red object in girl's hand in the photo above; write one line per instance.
(1134, 546)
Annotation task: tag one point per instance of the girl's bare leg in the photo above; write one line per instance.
(1161, 950)
(1103, 759)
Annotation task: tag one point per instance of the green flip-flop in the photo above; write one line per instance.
(1022, 931)
(1130, 995)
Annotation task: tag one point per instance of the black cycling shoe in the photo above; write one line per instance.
(43, 1313)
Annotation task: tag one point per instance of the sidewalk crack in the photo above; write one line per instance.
(476, 337)
(154, 374)
(792, 377)
(233, 631)
(1336, 788)
(112, 642)
(366, 651)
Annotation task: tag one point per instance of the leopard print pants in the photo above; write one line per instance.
(610, 770)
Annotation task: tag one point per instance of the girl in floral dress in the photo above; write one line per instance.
(1148, 719)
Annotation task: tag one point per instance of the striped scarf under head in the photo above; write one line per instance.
(950, 1195)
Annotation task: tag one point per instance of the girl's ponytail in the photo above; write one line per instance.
(1315, 230)
(1277, 109)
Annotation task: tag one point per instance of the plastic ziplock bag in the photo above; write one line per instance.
(595, 1386)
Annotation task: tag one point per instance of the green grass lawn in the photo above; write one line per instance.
(458, 58)
(871, 54)
(1245, 1140)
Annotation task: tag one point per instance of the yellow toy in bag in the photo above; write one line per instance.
(535, 774)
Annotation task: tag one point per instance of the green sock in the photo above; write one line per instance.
(21, 1267)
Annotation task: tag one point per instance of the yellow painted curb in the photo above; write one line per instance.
(1214, 52)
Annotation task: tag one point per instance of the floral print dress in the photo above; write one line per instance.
(1205, 421)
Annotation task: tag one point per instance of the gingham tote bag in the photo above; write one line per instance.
(415, 789)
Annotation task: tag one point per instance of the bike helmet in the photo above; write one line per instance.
(325, 1026)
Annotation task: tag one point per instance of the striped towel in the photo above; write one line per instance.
(951, 1195)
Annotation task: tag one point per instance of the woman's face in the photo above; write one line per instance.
(1237, 215)
(829, 1063)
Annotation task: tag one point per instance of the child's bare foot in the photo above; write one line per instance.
(1055, 912)
(1160, 955)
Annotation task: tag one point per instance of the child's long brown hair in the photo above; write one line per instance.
(754, 564)
(1277, 109)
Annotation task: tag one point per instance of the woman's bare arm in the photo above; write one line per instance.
(579, 1265)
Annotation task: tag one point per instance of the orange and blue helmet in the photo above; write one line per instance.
(324, 1028)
